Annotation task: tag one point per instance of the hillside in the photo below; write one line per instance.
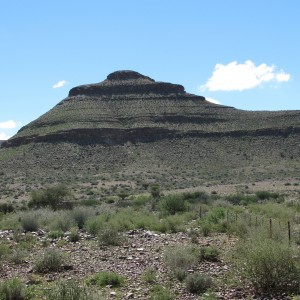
(130, 129)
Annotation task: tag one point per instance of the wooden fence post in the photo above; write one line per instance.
(289, 230)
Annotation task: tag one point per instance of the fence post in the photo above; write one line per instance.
(200, 212)
(289, 230)
(270, 228)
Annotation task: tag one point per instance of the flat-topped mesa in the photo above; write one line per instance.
(127, 82)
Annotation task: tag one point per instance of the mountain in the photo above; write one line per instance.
(130, 124)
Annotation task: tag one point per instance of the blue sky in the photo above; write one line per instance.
(240, 53)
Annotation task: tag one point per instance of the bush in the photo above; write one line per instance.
(29, 222)
(13, 289)
(51, 261)
(106, 278)
(240, 199)
(196, 197)
(4, 251)
(109, 237)
(209, 253)
(197, 283)
(56, 197)
(18, 256)
(205, 228)
(173, 224)
(74, 236)
(160, 293)
(150, 275)
(265, 195)
(56, 234)
(6, 208)
(70, 290)
(215, 215)
(140, 200)
(173, 204)
(268, 264)
(81, 215)
(179, 259)
(62, 222)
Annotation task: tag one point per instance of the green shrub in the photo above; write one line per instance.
(196, 197)
(215, 215)
(6, 208)
(62, 221)
(150, 275)
(265, 195)
(81, 215)
(70, 290)
(205, 228)
(173, 204)
(4, 251)
(181, 258)
(198, 283)
(209, 253)
(160, 293)
(18, 256)
(268, 264)
(51, 261)
(29, 222)
(90, 202)
(110, 237)
(74, 236)
(106, 278)
(274, 210)
(56, 234)
(140, 200)
(155, 192)
(56, 197)
(13, 289)
(240, 199)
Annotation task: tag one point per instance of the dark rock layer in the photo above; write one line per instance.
(127, 82)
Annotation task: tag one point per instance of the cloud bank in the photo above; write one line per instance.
(59, 84)
(239, 77)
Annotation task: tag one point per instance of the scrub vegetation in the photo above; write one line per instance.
(189, 244)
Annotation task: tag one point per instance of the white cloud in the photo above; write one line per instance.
(9, 124)
(59, 84)
(239, 77)
(3, 136)
(283, 77)
(212, 100)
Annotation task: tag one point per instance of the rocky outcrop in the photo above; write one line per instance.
(127, 82)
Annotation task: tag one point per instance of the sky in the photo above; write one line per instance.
(244, 54)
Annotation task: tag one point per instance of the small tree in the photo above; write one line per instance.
(172, 204)
(155, 193)
(56, 197)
